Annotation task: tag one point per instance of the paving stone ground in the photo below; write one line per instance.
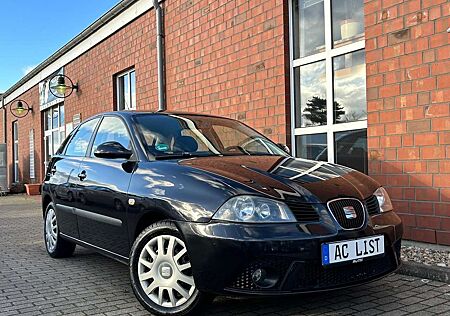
(31, 283)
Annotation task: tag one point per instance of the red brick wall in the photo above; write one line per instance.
(132, 46)
(230, 58)
(31, 121)
(408, 92)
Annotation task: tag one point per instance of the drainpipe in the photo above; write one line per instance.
(160, 55)
(4, 118)
(2, 97)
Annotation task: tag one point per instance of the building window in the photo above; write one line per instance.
(328, 74)
(126, 90)
(15, 136)
(54, 130)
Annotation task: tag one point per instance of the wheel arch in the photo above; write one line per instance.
(46, 200)
(148, 218)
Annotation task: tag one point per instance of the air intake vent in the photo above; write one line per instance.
(303, 212)
(349, 213)
(372, 205)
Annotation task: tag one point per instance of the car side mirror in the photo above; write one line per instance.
(112, 150)
(284, 147)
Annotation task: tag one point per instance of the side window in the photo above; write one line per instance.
(79, 143)
(112, 129)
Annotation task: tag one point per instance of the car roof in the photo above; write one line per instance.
(140, 112)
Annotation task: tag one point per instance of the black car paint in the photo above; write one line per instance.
(92, 197)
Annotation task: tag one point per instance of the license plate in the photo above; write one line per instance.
(352, 250)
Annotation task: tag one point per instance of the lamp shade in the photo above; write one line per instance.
(62, 86)
(20, 109)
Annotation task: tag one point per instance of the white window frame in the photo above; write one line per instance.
(15, 135)
(49, 133)
(330, 128)
(132, 99)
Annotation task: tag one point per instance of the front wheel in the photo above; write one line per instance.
(55, 245)
(161, 274)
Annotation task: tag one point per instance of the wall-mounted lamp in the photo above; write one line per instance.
(62, 86)
(20, 108)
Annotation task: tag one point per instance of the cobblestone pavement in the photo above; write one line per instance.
(31, 283)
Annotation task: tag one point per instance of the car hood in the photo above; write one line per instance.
(286, 177)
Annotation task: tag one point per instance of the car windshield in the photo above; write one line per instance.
(173, 136)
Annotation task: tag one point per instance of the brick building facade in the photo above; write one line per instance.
(408, 96)
(251, 60)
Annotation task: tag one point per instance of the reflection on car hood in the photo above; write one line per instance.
(284, 177)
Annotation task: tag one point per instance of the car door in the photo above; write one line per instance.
(62, 176)
(104, 186)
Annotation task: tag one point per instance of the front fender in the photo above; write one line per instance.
(182, 193)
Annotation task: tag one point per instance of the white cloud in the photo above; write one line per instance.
(27, 69)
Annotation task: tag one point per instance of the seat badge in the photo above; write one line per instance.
(349, 212)
(131, 202)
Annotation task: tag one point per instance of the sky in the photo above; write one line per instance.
(32, 30)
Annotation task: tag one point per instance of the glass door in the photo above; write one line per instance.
(54, 131)
(15, 136)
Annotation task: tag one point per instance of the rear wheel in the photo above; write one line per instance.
(161, 274)
(55, 245)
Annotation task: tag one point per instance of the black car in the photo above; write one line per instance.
(199, 206)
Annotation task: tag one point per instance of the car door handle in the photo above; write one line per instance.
(82, 175)
(53, 170)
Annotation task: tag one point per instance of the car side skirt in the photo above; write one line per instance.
(100, 250)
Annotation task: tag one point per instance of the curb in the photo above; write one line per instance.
(424, 271)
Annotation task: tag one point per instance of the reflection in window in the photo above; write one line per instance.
(309, 18)
(61, 116)
(312, 147)
(112, 129)
(79, 143)
(55, 140)
(351, 149)
(164, 134)
(313, 104)
(55, 117)
(348, 21)
(48, 119)
(350, 87)
(126, 91)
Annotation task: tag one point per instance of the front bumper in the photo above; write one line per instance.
(225, 255)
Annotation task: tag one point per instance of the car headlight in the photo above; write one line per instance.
(383, 200)
(254, 209)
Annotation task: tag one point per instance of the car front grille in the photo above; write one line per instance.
(372, 205)
(338, 209)
(303, 212)
(306, 276)
(244, 279)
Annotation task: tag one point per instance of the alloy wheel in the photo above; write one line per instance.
(51, 230)
(164, 271)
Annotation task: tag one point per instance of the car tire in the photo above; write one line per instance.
(56, 246)
(158, 276)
